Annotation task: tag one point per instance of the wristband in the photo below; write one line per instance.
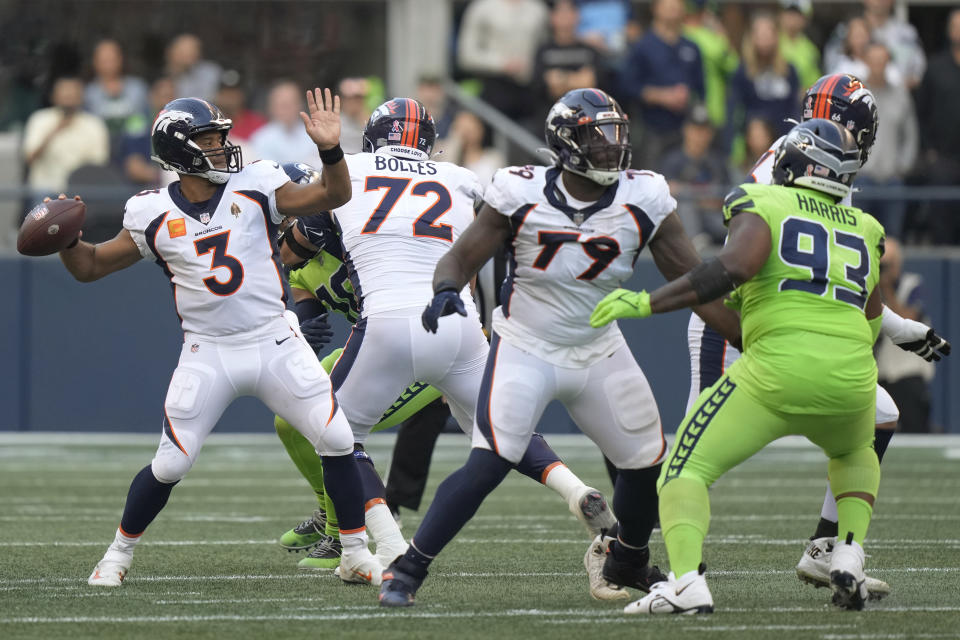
(331, 156)
(445, 285)
(710, 280)
(308, 308)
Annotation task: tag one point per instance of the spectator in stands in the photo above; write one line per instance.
(135, 148)
(900, 38)
(664, 75)
(353, 112)
(693, 168)
(702, 27)
(467, 146)
(119, 100)
(497, 41)
(192, 75)
(565, 62)
(895, 150)
(608, 25)
(61, 138)
(937, 100)
(795, 47)
(853, 58)
(283, 139)
(232, 100)
(900, 372)
(433, 96)
(759, 136)
(766, 85)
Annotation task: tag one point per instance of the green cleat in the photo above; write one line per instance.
(326, 555)
(306, 534)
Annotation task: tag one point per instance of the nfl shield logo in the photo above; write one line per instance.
(204, 218)
(194, 348)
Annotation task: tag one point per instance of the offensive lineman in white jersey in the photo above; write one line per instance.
(574, 231)
(405, 213)
(213, 234)
(843, 99)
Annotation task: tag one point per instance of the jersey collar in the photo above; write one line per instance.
(196, 209)
(578, 216)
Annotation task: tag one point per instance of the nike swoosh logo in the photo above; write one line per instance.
(282, 341)
(368, 576)
(684, 588)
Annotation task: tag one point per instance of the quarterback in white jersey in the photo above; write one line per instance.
(213, 234)
(574, 232)
(405, 214)
(844, 99)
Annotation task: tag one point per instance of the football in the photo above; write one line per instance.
(50, 227)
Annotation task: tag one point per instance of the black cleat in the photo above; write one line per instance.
(636, 573)
(399, 588)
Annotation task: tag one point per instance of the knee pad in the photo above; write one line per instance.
(329, 439)
(170, 465)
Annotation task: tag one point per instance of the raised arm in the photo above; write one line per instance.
(333, 188)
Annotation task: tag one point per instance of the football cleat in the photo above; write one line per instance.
(814, 568)
(631, 573)
(593, 561)
(359, 566)
(590, 508)
(326, 555)
(399, 588)
(111, 570)
(307, 533)
(846, 575)
(687, 595)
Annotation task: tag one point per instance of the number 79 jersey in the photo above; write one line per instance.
(564, 260)
(405, 213)
(823, 265)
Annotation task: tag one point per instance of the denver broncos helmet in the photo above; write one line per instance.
(590, 135)
(173, 146)
(818, 154)
(842, 98)
(400, 122)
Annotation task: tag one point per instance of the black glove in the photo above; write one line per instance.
(930, 348)
(317, 331)
(443, 304)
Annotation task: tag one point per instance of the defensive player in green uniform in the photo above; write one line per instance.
(805, 270)
(319, 284)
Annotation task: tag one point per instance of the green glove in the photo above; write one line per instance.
(620, 303)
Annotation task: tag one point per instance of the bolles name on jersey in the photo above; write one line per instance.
(390, 163)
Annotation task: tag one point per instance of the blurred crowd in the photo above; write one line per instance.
(708, 91)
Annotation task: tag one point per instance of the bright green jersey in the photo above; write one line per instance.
(804, 56)
(719, 64)
(325, 276)
(802, 314)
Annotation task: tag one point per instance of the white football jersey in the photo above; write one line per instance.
(221, 256)
(762, 172)
(405, 214)
(565, 260)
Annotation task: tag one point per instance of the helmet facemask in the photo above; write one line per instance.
(597, 150)
(204, 160)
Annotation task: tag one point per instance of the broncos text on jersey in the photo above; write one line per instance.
(220, 255)
(564, 260)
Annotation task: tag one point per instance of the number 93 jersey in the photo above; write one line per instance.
(221, 255)
(405, 213)
(564, 260)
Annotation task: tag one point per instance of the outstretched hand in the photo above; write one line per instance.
(620, 303)
(323, 122)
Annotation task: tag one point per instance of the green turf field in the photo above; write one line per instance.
(209, 566)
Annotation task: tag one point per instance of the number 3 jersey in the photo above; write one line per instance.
(564, 259)
(220, 255)
(405, 213)
(807, 343)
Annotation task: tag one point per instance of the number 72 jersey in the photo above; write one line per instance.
(823, 265)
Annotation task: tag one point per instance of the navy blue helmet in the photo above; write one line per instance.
(818, 154)
(174, 149)
(845, 100)
(400, 122)
(590, 135)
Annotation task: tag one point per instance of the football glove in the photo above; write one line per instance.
(931, 347)
(620, 303)
(443, 304)
(317, 331)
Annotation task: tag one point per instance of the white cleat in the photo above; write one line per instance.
(359, 566)
(846, 575)
(388, 553)
(687, 595)
(591, 508)
(111, 570)
(814, 568)
(593, 561)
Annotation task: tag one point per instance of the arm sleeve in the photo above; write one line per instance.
(738, 201)
(499, 195)
(132, 222)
